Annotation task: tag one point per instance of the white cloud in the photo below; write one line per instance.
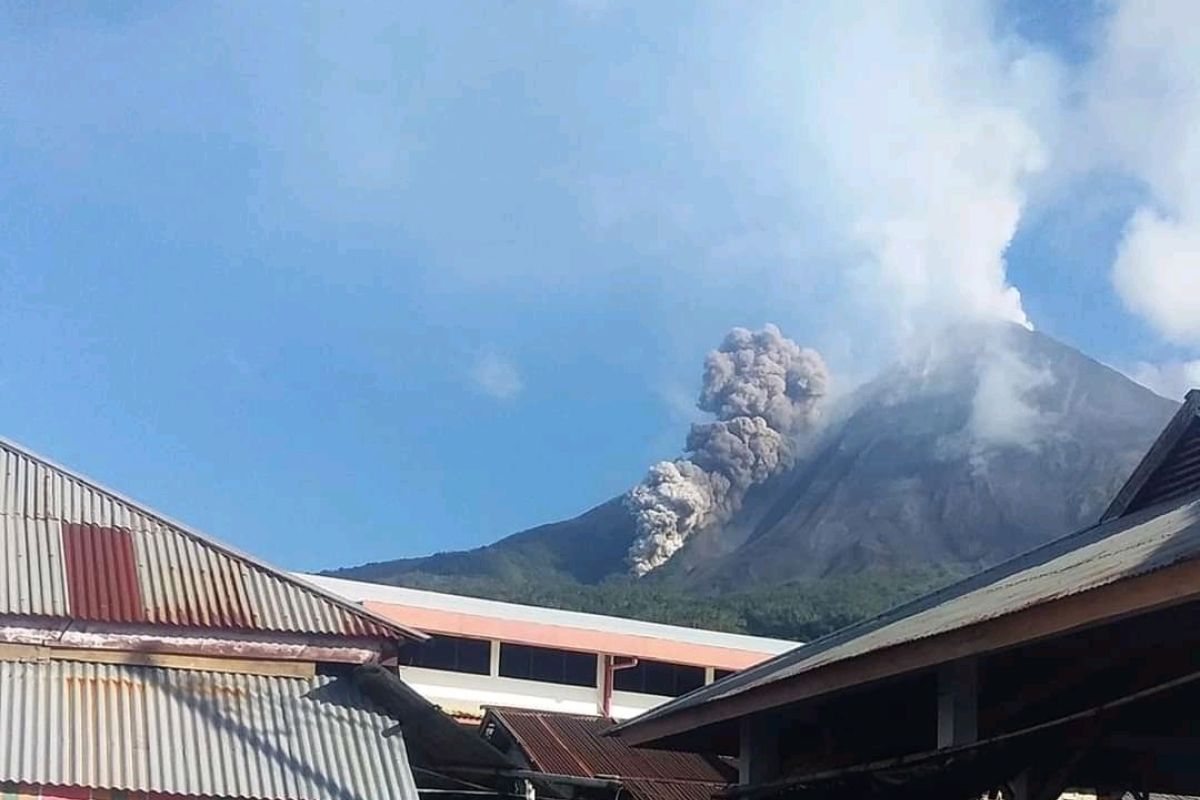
(497, 376)
(1144, 102)
(1172, 379)
(919, 159)
(1002, 412)
(925, 148)
(1157, 273)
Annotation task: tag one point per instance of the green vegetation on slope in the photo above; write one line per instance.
(802, 610)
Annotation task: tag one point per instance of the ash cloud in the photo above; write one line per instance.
(765, 390)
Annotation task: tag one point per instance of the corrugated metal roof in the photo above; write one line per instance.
(565, 744)
(1178, 475)
(70, 548)
(1094, 557)
(1170, 468)
(181, 732)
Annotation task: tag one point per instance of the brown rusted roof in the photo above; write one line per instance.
(566, 744)
(71, 549)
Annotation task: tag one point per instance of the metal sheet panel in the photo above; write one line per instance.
(179, 577)
(101, 573)
(646, 789)
(608, 755)
(572, 745)
(195, 733)
(1178, 475)
(545, 752)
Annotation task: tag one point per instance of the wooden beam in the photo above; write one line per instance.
(281, 669)
(758, 751)
(1121, 599)
(20, 652)
(958, 703)
(40, 633)
(286, 669)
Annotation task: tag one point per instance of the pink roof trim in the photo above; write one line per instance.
(456, 623)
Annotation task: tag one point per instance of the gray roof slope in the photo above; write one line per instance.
(72, 548)
(1128, 546)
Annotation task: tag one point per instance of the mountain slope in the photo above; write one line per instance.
(920, 468)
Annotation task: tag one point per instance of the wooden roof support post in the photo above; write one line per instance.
(758, 750)
(958, 703)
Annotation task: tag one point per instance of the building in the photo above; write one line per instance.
(1074, 666)
(486, 653)
(142, 659)
(573, 759)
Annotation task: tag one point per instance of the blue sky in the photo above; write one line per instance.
(347, 284)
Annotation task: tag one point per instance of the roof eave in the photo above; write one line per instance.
(1165, 587)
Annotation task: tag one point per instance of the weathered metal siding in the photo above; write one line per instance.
(195, 733)
(187, 583)
(545, 751)
(31, 559)
(64, 552)
(573, 745)
(607, 755)
(1177, 476)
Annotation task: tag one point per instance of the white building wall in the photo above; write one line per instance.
(468, 694)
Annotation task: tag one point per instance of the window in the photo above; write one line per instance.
(547, 665)
(721, 673)
(659, 677)
(452, 653)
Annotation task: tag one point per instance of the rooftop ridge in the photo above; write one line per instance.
(207, 540)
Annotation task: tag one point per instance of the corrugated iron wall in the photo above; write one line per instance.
(195, 733)
(69, 549)
(1177, 476)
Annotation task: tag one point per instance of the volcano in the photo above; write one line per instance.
(899, 477)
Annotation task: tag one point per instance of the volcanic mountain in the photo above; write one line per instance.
(901, 476)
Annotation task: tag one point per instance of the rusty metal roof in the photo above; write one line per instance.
(181, 732)
(1122, 548)
(566, 744)
(70, 548)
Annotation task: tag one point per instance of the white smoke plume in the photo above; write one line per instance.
(1171, 379)
(928, 147)
(928, 151)
(1144, 100)
(764, 390)
(1001, 411)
